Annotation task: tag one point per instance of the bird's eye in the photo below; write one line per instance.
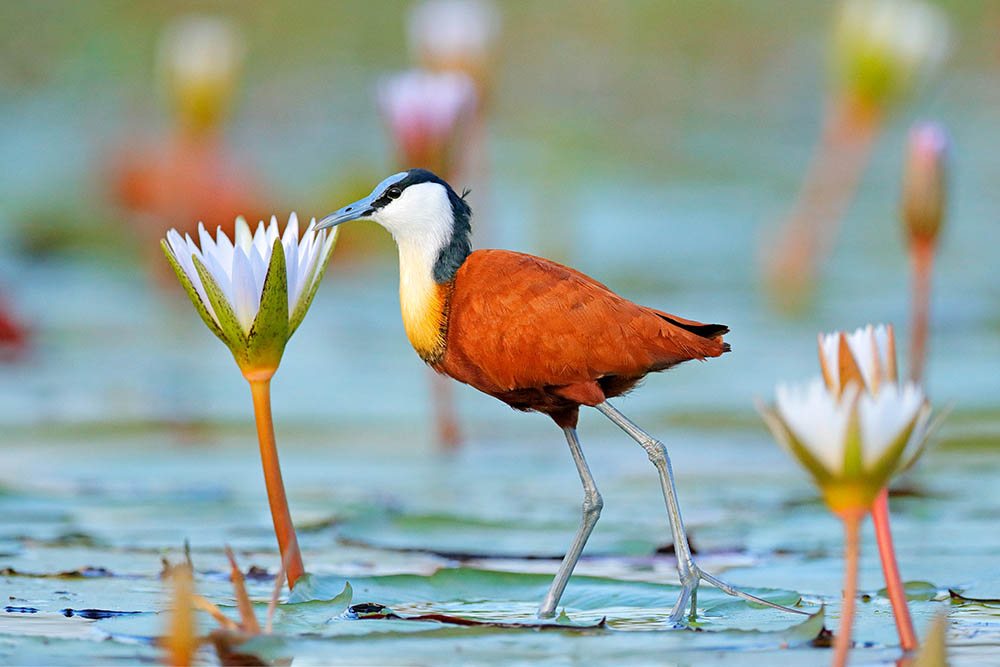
(393, 193)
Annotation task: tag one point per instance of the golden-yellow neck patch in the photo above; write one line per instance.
(423, 302)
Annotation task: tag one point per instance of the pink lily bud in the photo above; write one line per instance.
(426, 114)
(925, 182)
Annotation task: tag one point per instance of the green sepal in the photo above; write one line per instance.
(233, 335)
(269, 333)
(931, 427)
(305, 299)
(787, 439)
(889, 463)
(854, 465)
(193, 293)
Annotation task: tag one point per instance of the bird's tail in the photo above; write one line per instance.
(713, 332)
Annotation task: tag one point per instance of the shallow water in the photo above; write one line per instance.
(126, 430)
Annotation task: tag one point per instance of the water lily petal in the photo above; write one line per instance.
(884, 417)
(246, 298)
(307, 259)
(290, 243)
(207, 244)
(868, 354)
(182, 253)
(816, 418)
(243, 238)
(828, 360)
(221, 275)
(885, 341)
(210, 256)
(787, 440)
(258, 269)
(272, 231)
(233, 334)
(870, 347)
(291, 231)
(922, 430)
(224, 248)
(260, 243)
(200, 302)
(309, 289)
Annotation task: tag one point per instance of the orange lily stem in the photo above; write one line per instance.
(923, 263)
(288, 543)
(852, 551)
(181, 640)
(886, 551)
(831, 180)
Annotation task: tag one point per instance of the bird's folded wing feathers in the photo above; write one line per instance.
(523, 321)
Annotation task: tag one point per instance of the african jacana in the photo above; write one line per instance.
(536, 335)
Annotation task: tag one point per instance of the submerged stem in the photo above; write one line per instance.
(288, 543)
(887, 553)
(852, 548)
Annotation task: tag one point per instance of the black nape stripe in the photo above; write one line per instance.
(459, 246)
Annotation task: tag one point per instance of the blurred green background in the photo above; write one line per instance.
(649, 144)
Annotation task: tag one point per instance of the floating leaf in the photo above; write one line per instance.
(915, 590)
(310, 588)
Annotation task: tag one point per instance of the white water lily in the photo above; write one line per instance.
(867, 355)
(453, 34)
(254, 291)
(852, 442)
(882, 49)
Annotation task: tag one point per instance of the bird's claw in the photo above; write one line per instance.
(689, 591)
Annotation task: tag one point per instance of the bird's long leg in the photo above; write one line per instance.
(592, 505)
(689, 573)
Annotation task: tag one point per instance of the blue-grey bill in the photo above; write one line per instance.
(362, 207)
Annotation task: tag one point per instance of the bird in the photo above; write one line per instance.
(538, 336)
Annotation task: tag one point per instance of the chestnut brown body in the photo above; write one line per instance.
(541, 336)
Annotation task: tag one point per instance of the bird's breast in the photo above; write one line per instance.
(425, 310)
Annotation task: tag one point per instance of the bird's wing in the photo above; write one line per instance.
(520, 321)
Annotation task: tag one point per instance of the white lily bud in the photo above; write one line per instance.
(867, 356)
(852, 443)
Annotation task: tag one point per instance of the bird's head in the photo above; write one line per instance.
(422, 212)
(410, 203)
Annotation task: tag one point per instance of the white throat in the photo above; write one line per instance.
(421, 222)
